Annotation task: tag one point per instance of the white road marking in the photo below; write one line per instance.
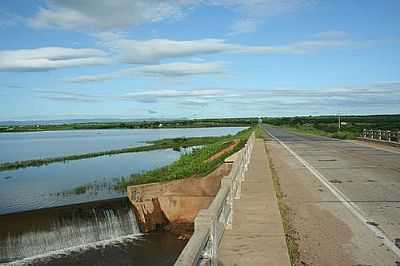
(351, 206)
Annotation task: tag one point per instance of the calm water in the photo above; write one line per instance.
(41, 187)
(34, 145)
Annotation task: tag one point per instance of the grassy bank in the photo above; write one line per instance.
(193, 123)
(197, 163)
(154, 145)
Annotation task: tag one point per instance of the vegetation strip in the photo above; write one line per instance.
(194, 123)
(195, 164)
(350, 126)
(286, 213)
(174, 143)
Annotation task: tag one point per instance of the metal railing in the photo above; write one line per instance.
(381, 135)
(210, 224)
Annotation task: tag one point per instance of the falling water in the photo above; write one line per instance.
(66, 232)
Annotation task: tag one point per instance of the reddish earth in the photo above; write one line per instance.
(224, 151)
(173, 205)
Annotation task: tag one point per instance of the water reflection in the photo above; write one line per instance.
(39, 187)
(35, 145)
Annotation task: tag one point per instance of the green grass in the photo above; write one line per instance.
(174, 143)
(192, 123)
(328, 125)
(342, 134)
(196, 164)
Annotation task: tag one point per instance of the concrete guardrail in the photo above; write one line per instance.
(387, 136)
(210, 224)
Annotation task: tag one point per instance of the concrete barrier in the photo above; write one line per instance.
(381, 136)
(210, 224)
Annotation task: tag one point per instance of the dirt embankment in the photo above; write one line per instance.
(224, 151)
(173, 205)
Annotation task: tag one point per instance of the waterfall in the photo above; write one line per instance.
(67, 232)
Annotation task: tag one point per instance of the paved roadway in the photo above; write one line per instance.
(257, 236)
(364, 180)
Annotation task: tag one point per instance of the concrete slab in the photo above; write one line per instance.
(257, 236)
(329, 233)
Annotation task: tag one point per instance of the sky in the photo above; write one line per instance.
(142, 59)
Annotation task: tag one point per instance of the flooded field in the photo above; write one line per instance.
(53, 185)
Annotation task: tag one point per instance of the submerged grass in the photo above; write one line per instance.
(174, 143)
(196, 163)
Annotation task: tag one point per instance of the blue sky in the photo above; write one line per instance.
(194, 59)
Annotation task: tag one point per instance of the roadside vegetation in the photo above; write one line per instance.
(351, 126)
(174, 143)
(287, 214)
(198, 163)
(193, 123)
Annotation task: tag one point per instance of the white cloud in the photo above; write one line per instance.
(104, 14)
(91, 78)
(179, 69)
(66, 96)
(183, 69)
(376, 97)
(42, 59)
(253, 13)
(157, 95)
(155, 50)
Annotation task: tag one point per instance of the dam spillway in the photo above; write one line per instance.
(54, 230)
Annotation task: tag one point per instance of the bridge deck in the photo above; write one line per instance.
(257, 236)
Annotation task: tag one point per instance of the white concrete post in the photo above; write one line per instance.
(238, 180)
(388, 135)
(227, 182)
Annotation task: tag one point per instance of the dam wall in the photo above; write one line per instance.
(53, 230)
(175, 202)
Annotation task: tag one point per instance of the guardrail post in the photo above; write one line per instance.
(205, 221)
(245, 155)
(388, 135)
(398, 136)
(227, 182)
(209, 224)
(380, 134)
(238, 181)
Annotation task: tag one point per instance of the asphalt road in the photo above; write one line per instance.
(357, 184)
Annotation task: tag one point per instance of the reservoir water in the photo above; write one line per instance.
(51, 185)
(34, 145)
(46, 186)
(43, 223)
